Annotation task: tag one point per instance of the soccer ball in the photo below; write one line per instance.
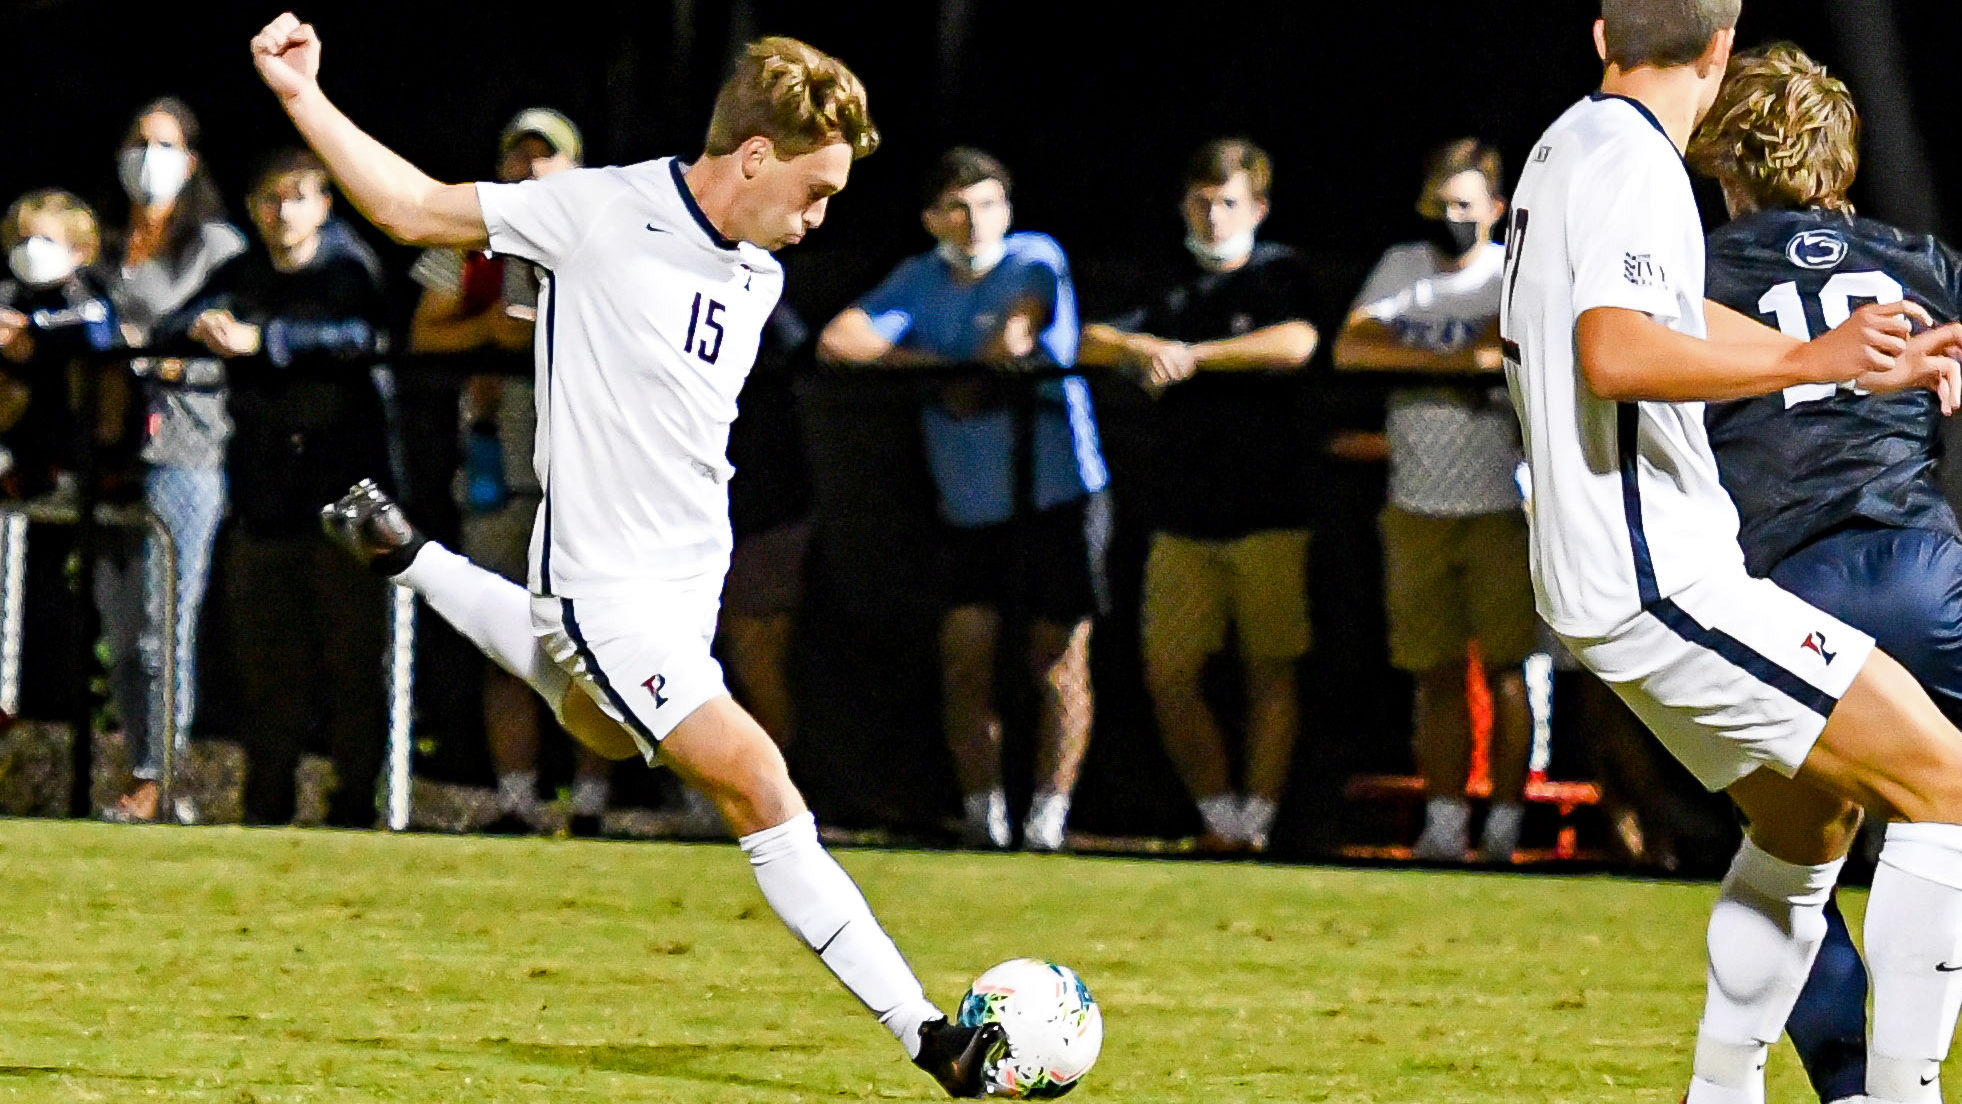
(1053, 1024)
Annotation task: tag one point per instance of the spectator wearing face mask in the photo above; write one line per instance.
(1454, 533)
(1218, 343)
(298, 318)
(53, 309)
(986, 295)
(175, 237)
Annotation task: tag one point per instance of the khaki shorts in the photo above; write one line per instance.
(1450, 580)
(1193, 589)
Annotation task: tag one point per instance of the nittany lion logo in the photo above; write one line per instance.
(1816, 249)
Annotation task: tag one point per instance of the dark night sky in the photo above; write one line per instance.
(1092, 104)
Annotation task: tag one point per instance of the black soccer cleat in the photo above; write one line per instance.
(958, 1057)
(372, 528)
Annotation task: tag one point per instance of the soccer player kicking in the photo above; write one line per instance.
(1835, 488)
(1611, 352)
(660, 281)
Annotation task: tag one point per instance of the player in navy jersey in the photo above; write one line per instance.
(1835, 489)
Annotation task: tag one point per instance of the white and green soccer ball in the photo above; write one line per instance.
(1054, 1027)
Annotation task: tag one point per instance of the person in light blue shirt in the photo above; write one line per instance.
(988, 296)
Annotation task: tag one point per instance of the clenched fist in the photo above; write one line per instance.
(287, 54)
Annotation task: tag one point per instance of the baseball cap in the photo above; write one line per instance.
(555, 128)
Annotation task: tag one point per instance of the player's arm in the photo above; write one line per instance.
(1626, 355)
(401, 200)
(852, 339)
(1366, 344)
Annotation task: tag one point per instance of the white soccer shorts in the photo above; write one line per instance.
(643, 657)
(1731, 673)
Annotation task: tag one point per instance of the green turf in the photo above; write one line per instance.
(238, 966)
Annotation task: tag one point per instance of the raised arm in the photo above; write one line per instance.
(401, 200)
(1625, 356)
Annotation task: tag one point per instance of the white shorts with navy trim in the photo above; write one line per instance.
(1731, 673)
(643, 657)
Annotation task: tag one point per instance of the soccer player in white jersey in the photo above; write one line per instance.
(1611, 352)
(660, 279)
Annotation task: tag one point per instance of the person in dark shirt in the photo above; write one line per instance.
(297, 319)
(1218, 343)
(1835, 489)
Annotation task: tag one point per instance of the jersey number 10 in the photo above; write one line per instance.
(1785, 303)
(698, 320)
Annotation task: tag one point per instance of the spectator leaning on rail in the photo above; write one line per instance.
(985, 295)
(473, 303)
(1231, 528)
(1454, 536)
(176, 236)
(52, 308)
(298, 319)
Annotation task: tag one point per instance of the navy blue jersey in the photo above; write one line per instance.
(1817, 458)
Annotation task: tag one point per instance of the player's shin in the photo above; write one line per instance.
(490, 611)
(818, 901)
(1914, 951)
(1764, 931)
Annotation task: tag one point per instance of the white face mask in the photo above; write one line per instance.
(1230, 251)
(979, 264)
(40, 262)
(153, 174)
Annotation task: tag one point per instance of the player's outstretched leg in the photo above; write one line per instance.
(723, 753)
(490, 611)
(1828, 1025)
(1889, 748)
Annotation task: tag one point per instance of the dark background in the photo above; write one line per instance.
(1093, 105)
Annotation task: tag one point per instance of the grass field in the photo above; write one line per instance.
(240, 966)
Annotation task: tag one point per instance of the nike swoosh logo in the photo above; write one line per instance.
(1929, 1080)
(834, 938)
(658, 230)
(1945, 968)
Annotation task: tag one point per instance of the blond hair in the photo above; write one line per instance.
(84, 235)
(1446, 162)
(1783, 134)
(799, 97)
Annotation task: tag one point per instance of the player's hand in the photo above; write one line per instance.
(1927, 360)
(1867, 342)
(287, 54)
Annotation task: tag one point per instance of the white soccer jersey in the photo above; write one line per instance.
(1628, 509)
(648, 324)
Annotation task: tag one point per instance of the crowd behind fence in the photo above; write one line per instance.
(986, 542)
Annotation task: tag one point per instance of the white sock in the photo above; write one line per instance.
(818, 902)
(1914, 952)
(1764, 931)
(1221, 814)
(987, 816)
(590, 796)
(1048, 814)
(517, 792)
(1447, 817)
(491, 611)
(1257, 820)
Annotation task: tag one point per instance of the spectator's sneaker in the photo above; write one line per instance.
(958, 1057)
(1500, 837)
(372, 528)
(1439, 844)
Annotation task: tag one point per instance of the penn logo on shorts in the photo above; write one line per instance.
(1816, 642)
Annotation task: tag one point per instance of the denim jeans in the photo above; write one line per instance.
(130, 591)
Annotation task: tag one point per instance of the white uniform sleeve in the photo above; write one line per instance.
(1625, 232)
(547, 220)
